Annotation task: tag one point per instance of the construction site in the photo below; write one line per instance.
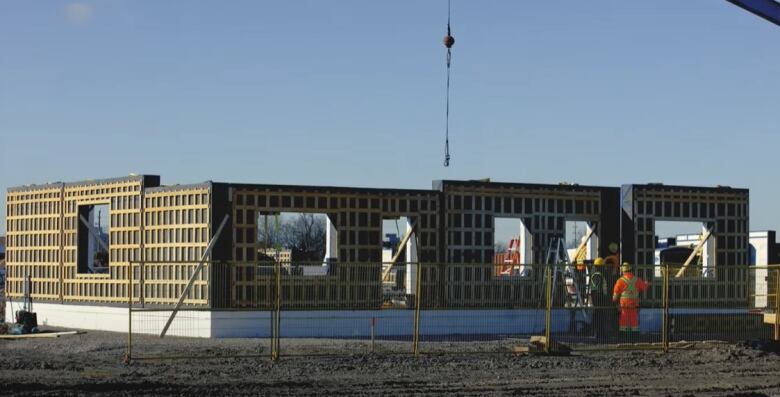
(415, 273)
(206, 260)
(134, 284)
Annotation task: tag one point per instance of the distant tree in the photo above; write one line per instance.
(500, 247)
(270, 232)
(304, 235)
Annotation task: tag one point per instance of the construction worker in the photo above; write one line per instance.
(599, 300)
(598, 285)
(626, 293)
(613, 260)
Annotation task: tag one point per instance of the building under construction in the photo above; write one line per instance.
(72, 246)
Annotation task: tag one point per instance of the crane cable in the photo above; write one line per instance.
(448, 42)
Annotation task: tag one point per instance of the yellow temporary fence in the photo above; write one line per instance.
(461, 308)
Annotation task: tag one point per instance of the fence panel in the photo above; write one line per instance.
(221, 309)
(346, 308)
(486, 308)
(726, 303)
(274, 309)
(585, 316)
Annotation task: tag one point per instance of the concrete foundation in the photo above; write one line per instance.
(330, 324)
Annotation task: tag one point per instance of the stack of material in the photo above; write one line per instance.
(42, 335)
(537, 345)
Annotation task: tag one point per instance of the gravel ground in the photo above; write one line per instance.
(91, 364)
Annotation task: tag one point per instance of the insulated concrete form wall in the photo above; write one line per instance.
(723, 210)
(34, 241)
(177, 229)
(124, 196)
(469, 212)
(357, 215)
(43, 223)
(166, 228)
(169, 227)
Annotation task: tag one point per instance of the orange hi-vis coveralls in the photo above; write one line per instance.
(612, 262)
(626, 291)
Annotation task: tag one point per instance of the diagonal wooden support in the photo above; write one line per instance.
(695, 252)
(583, 244)
(194, 275)
(403, 242)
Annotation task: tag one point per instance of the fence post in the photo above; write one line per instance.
(141, 284)
(548, 310)
(373, 332)
(665, 315)
(417, 303)
(277, 312)
(129, 353)
(777, 304)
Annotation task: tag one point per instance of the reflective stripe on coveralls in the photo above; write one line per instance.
(630, 292)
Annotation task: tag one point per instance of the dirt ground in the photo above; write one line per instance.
(91, 364)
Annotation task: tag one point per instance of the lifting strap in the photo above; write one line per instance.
(447, 112)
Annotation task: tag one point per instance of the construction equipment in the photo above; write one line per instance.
(510, 262)
(26, 319)
(767, 9)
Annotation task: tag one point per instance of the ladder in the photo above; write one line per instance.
(556, 256)
(553, 259)
(556, 252)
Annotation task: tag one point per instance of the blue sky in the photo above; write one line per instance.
(352, 93)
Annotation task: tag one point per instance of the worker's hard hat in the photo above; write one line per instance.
(613, 248)
(598, 262)
(625, 267)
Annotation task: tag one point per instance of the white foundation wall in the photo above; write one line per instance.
(328, 324)
(115, 319)
(240, 324)
(294, 324)
(195, 323)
